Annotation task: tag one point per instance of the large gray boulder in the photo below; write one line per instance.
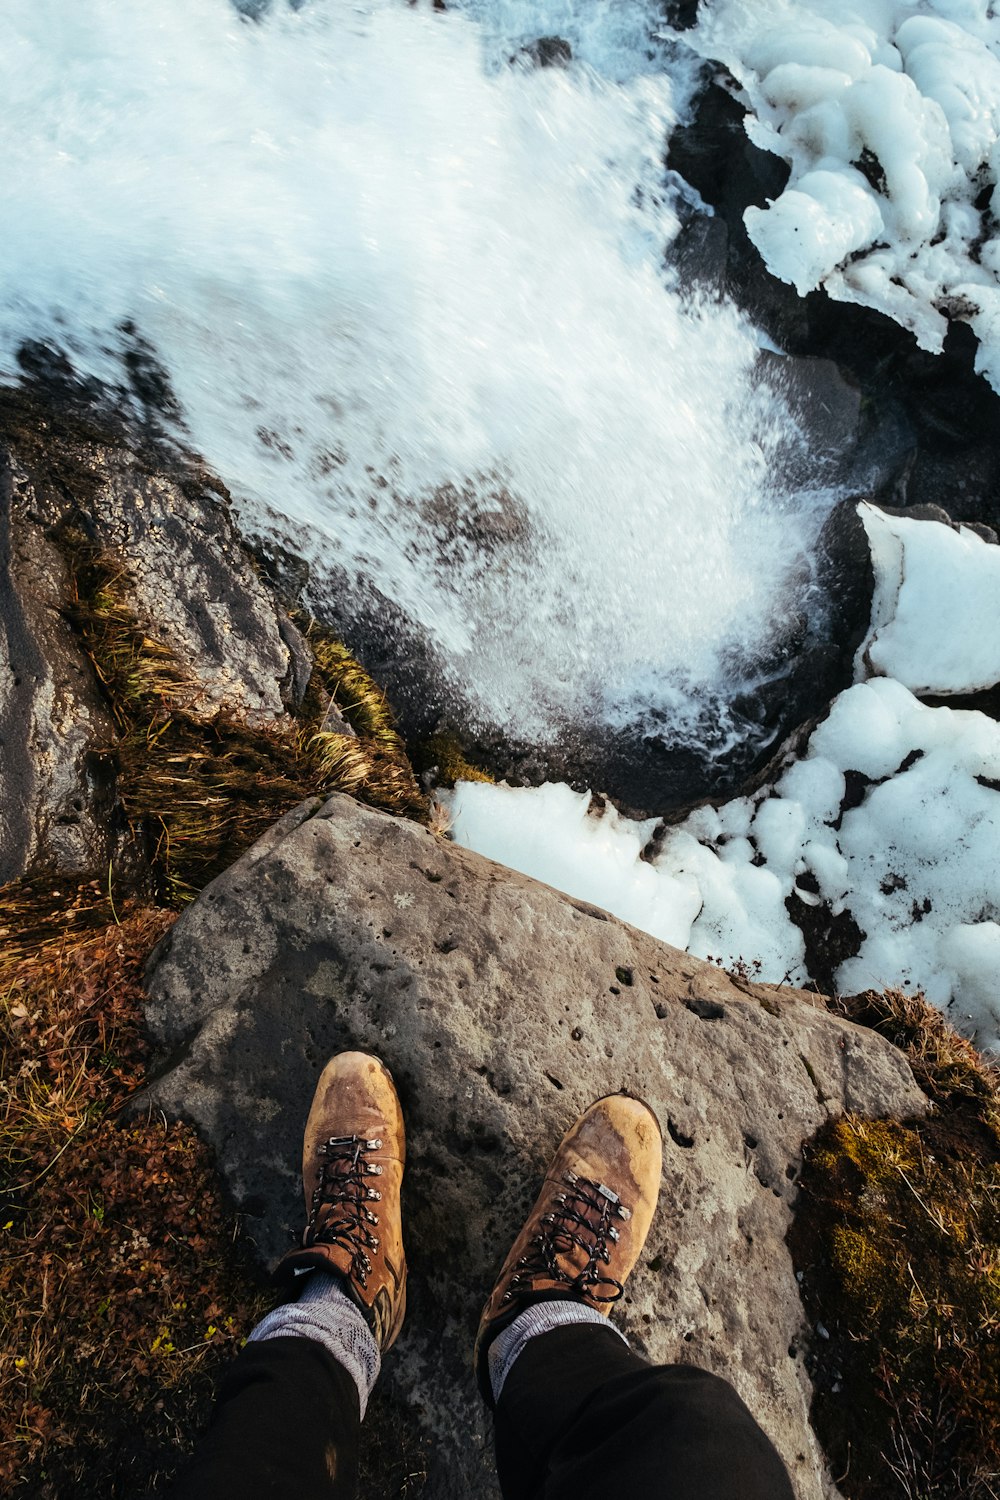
(503, 1008)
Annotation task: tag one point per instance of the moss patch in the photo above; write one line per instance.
(897, 1238)
(443, 757)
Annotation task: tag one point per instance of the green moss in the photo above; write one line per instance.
(345, 683)
(897, 1239)
(443, 756)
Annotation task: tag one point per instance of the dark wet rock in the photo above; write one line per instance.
(846, 576)
(966, 484)
(546, 52)
(700, 253)
(713, 153)
(825, 406)
(503, 1008)
(939, 514)
(680, 14)
(919, 513)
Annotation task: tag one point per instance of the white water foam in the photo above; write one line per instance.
(375, 260)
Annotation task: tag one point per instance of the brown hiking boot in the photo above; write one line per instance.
(589, 1222)
(352, 1167)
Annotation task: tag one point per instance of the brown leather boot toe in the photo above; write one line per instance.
(352, 1167)
(589, 1223)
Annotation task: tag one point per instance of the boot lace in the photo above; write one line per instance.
(582, 1217)
(339, 1213)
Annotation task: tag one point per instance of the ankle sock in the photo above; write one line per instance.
(541, 1317)
(324, 1312)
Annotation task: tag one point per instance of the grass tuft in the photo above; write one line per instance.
(443, 757)
(199, 791)
(946, 1065)
(350, 688)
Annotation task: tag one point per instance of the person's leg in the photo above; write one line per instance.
(289, 1409)
(580, 1415)
(286, 1426)
(577, 1412)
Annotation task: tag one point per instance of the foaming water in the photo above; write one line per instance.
(411, 300)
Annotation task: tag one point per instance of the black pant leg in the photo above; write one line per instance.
(582, 1417)
(286, 1426)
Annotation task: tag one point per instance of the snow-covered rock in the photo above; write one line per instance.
(889, 118)
(936, 610)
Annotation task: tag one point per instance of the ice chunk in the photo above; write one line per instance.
(794, 86)
(778, 828)
(811, 229)
(936, 610)
(813, 44)
(962, 76)
(864, 730)
(816, 783)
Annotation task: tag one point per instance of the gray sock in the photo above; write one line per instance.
(542, 1317)
(324, 1312)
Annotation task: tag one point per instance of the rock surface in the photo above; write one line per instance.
(52, 787)
(503, 1008)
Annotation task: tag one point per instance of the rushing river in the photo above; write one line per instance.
(410, 295)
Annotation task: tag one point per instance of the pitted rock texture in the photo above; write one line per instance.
(503, 1008)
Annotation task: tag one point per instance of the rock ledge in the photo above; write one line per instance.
(503, 1008)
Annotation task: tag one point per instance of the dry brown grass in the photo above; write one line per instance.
(120, 1292)
(946, 1065)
